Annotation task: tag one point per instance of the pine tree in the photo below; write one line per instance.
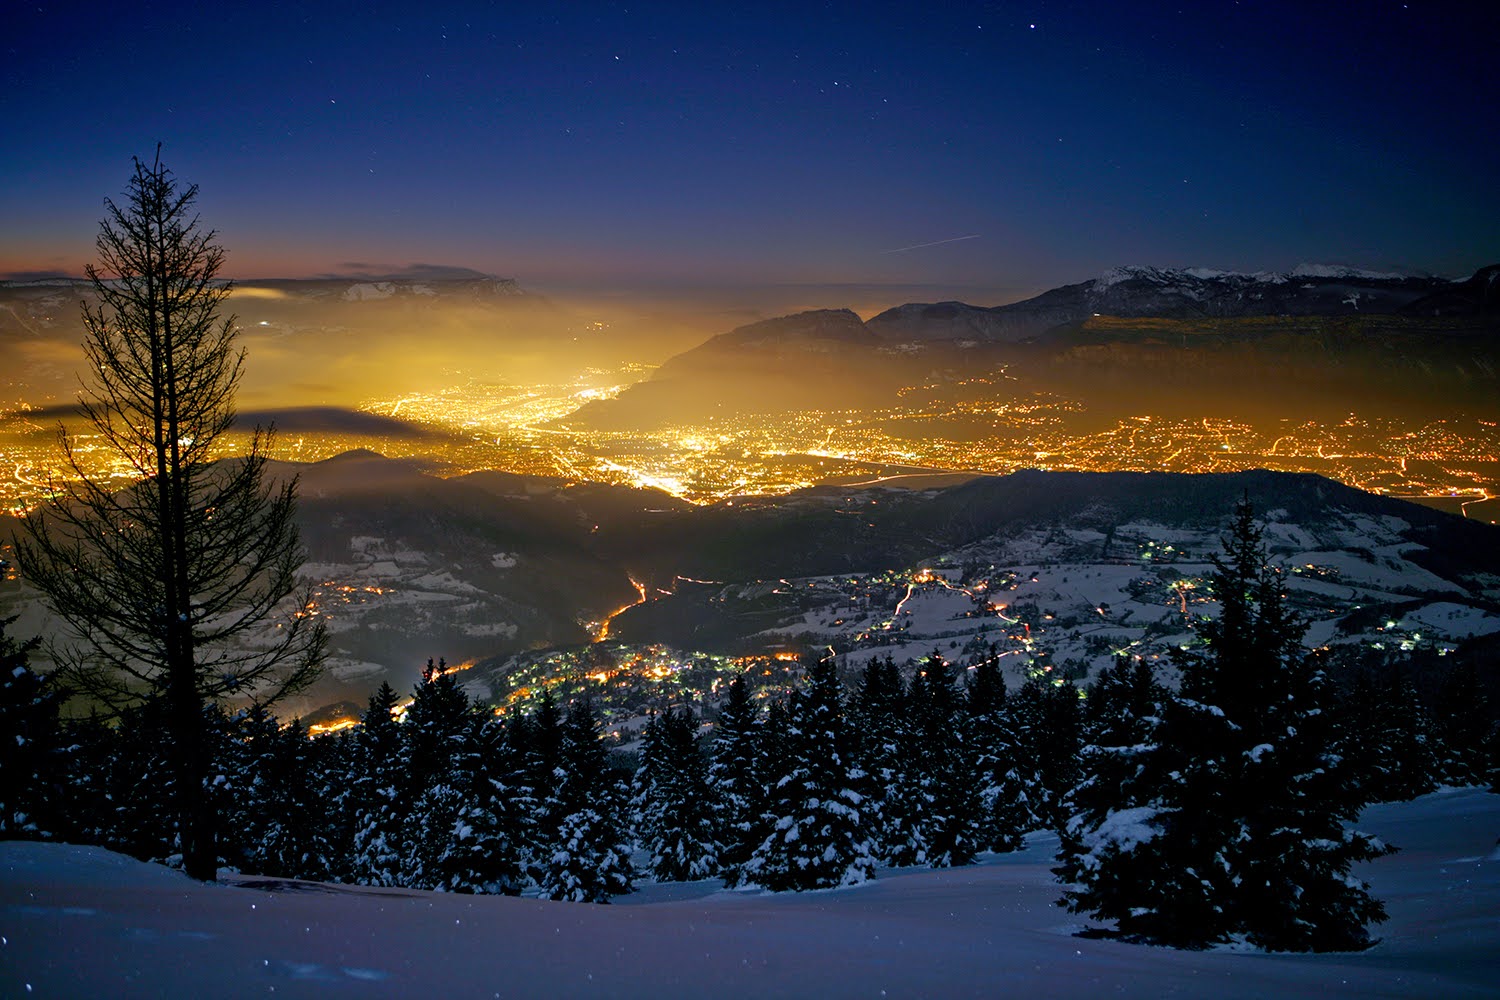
(1122, 718)
(936, 801)
(875, 726)
(587, 858)
(240, 769)
(135, 768)
(738, 796)
(1382, 735)
(504, 810)
(1233, 824)
(446, 830)
(337, 754)
(31, 761)
(159, 584)
(1295, 892)
(1009, 784)
(645, 810)
(817, 838)
(540, 733)
(278, 821)
(376, 806)
(676, 822)
(1045, 718)
(1462, 714)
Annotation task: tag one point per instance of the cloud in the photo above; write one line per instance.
(330, 419)
(37, 276)
(256, 292)
(367, 271)
(288, 420)
(52, 415)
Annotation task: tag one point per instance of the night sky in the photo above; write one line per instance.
(1005, 146)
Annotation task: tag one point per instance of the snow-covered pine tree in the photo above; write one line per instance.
(137, 775)
(88, 805)
(1045, 718)
(540, 735)
(455, 838)
(738, 796)
(936, 802)
(375, 803)
(436, 728)
(1122, 713)
(774, 742)
(1111, 805)
(335, 754)
(817, 838)
(238, 776)
(30, 745)
(1009, 784)
(1463, 724)
(1382, 734)
(502, 794)
(1295, 891)
(675, 808)
(587, 859)
(645, 803)
(1235, 827)
(875, 727)
(286, 827)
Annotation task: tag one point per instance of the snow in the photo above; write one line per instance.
(1341, 271)
(80, 921)
(1124, 829)
(1177, 276)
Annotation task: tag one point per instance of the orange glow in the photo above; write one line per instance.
(601, 631)
(336, 726)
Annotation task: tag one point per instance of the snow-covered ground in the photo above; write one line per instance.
(82, 922)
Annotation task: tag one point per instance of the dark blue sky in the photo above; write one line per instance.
(662, 144)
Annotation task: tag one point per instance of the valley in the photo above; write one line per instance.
(635, 513)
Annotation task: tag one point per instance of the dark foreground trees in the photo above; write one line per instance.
(1225, 818)
(166, 586)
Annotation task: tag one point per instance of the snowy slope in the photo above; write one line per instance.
(81, 922)
(1075, 598)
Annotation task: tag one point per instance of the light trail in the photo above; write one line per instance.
(1464, 505)
(934, 243)
(602, 632)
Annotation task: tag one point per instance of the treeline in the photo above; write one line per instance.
(1214, 811)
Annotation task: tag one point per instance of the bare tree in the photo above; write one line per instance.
(180, 585)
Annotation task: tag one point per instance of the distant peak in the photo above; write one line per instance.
(1343, 271)
(1191, 275)
(1180, 275)
(354, 455)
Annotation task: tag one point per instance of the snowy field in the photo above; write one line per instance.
(82, 922)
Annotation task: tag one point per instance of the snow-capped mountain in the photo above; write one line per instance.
(1194, 293)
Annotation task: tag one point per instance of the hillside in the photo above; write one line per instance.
(492, 567)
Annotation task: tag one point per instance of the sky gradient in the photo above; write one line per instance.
(1006, 146)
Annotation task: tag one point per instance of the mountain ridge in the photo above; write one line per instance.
(1195, 293)
(1407, 340)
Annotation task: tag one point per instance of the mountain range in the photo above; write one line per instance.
(1195, 294)
(1318, 340)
